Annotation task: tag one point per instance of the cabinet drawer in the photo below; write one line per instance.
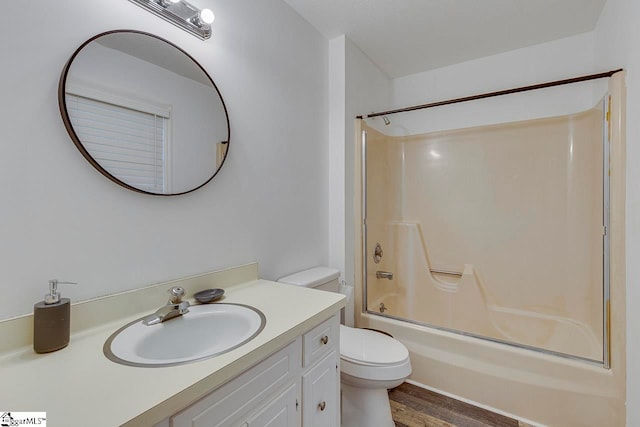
(321, 340)
(226, 404)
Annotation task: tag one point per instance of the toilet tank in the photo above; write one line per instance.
(324, 278)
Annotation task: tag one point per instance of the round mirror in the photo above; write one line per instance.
(144, 113)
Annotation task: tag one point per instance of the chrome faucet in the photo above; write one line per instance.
(384, 275)
(174, 308)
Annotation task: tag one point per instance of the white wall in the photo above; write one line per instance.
(517, 107)
(617, 35)
(59, 218)
(358, 87)
(337, 141)
(368, 90)
(555, 60)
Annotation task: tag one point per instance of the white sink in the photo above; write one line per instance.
(205, 331)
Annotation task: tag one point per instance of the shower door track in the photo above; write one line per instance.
(494, 340)
(493, 94)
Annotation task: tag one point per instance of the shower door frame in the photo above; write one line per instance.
(606, 350)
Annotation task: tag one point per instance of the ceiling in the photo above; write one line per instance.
(410, 36)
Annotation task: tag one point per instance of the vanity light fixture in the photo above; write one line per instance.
(182, 14)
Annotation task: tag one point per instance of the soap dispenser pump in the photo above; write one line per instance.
(51, 320)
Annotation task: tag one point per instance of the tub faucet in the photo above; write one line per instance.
(175, 307)
(384, 275)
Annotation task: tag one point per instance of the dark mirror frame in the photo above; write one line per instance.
(62, 104)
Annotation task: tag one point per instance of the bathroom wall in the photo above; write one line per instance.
(59, 218)
(616, 36)
(368, 90)
(356, 84)
(359, 86)
(536, 64)
(555, 60)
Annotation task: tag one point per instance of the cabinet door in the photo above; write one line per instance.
(320, 394)
(231, 403)
(282, 411)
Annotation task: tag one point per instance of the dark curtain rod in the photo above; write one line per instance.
(492, 94)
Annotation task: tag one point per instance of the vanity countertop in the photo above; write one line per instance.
(79, 386)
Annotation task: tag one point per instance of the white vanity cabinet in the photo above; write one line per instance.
(299, 385)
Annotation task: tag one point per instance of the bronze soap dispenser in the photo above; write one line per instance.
(51, 320)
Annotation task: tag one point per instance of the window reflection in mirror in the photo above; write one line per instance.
(144, 113)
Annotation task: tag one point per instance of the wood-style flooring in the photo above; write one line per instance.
(413, 406)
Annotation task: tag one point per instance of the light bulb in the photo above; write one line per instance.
(206, 16)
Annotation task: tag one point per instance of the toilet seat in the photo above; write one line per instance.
(370, 348)
(373, 356)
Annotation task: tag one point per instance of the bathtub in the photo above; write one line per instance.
(528, 385)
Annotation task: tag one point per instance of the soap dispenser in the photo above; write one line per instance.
(51, 325)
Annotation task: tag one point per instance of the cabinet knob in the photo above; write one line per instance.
(322, 405)
(324, 339)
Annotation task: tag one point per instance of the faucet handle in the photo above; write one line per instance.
(176, 292)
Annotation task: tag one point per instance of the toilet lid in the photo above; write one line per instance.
(369, 347)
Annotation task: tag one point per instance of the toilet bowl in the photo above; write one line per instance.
(370, 362)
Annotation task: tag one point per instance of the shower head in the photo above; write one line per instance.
(387, 122)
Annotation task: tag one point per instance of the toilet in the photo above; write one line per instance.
(370, 362)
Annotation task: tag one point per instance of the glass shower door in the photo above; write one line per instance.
(496, 231)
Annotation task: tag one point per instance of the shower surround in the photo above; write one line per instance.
(496, 245)
(514, 209)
